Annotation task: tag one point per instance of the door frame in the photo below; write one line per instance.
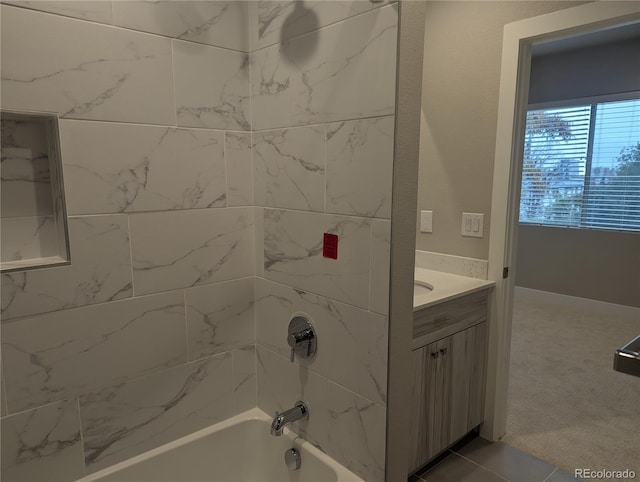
(518, 39)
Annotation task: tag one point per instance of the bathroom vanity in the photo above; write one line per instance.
(449, 362)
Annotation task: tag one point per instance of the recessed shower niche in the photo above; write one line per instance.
(33, 222)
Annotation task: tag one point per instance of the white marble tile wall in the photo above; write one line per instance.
(30, 237)
(25, 177)
(3, 396)
(352, 348)
(380, 264)
(100, 271)
(149, 334)
(124, 420)
(346, 426)
(293, 254)
(277, 21)
(354, 148)
(66, 353)
(244, 378)
(93, 10)
(212, 87)
(290, 168)
(43, 444)
(114, 168)
(336, 73)
(164, 131)
(84, 70)
(239, 168)
(198, 247)
(220, 317)
(335, 81)
(214, 23)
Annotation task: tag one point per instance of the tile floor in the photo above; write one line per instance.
(477, 460)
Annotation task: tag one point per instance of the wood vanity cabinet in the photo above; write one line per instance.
(448, 377)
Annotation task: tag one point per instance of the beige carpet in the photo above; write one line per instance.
(566, 404)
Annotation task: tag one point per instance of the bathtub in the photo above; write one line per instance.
(240, 449)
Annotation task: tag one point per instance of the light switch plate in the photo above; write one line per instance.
(473, 225)
(426, 221)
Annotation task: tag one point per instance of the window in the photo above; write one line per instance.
(581, 166)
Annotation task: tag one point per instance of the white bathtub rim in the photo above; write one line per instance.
(252, 414)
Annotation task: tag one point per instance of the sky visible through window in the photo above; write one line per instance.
(618, 134)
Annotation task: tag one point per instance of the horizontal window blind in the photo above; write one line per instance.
(581, 166)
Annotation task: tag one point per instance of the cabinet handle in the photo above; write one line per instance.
(435, 354)
(443, 351)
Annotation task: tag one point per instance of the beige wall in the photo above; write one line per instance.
(599, 265)
(610, 68)
(463, 48)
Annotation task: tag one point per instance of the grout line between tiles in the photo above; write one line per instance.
(84, 457)
(226, 169)
(308, 368)
(120, 27)
(133, 288)
(173, 81)
(297, 288)
(120, 300)
(324, 27)
(481, 466)
(186, 324)
(549, 476)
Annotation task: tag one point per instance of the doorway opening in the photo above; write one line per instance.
(567, 30)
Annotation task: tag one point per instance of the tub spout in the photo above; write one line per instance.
(298, 412)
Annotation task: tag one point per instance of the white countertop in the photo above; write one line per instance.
(445, 287)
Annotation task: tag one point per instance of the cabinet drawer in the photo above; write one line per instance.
(459, 313)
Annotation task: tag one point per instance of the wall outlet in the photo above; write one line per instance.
(473, 225)
(426, 221)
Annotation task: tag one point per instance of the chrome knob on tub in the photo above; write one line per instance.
(302, 337)
(292, 459)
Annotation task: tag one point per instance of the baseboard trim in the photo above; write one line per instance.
(575, 302)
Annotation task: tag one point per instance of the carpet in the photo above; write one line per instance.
(566, 403)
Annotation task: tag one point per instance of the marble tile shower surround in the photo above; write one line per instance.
(28, 228)
(211, 23)
(290, 168)
(127, 419)
(346, 426)
(25, 170)
(92, 10)
(357, 338)
(293, 254)
(293, 84)
(219, 247)
(254, 152)
(100, 271)
(115, 168)
(43, 441)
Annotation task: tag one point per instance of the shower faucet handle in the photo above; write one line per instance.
(301, 336)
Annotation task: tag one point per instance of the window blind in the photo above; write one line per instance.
(581, 166)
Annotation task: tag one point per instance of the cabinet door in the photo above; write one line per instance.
(417, 422)
(438, 398)
(478, 377)
(468, 367)
(430, 410)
